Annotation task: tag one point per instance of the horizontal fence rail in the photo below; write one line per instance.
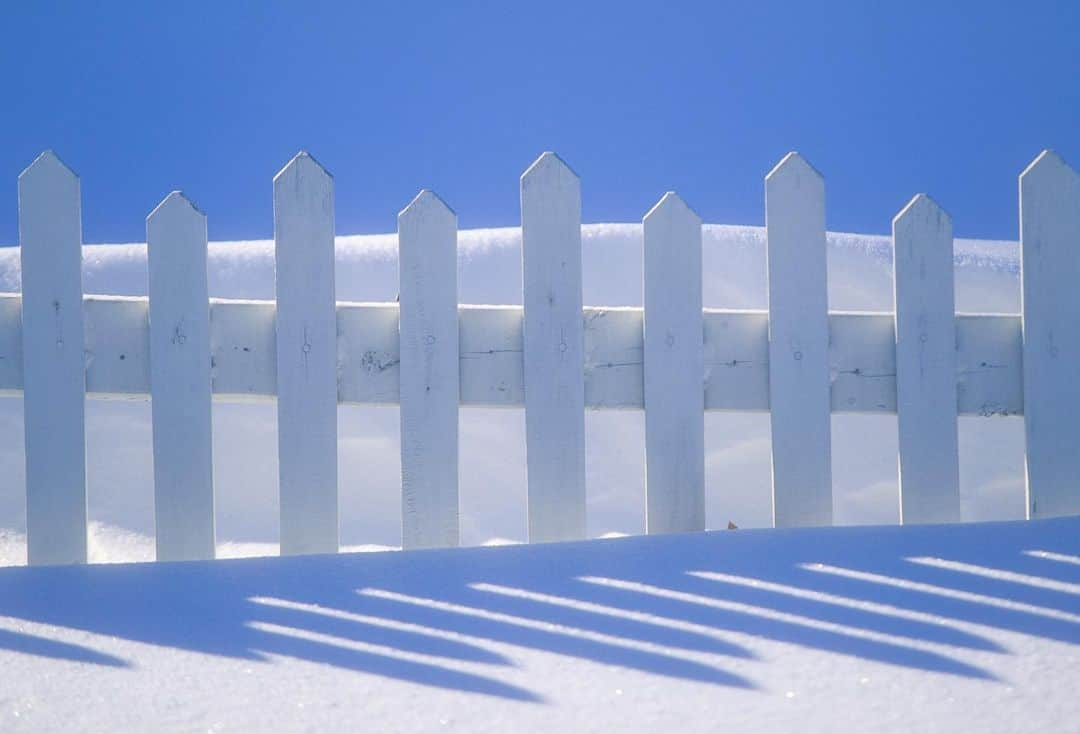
(862, 356)
(553, 356)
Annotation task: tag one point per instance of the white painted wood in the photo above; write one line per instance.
(989, 362)
(862, 362)
(736, 360)
(492, 368)
(861, 356)
(429, 381)
(798, 344)
(306, 357)
(50, 235)
(554, 345)
(674, 369)
(180, 381)
(243, 345)
(614, 368)
(926, 363)
(369, 365)
(1050, 271)
(11, 353)
(117, 333)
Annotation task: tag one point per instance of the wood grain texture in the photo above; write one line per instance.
(54, 365)
(180, 381)
(862, 356)
(926, 363)
(674, 369)
(429, 380)
(553, 343)
(306, 357)
(799, 393)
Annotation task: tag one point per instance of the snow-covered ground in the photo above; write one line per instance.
(972, 628)
(492, 441)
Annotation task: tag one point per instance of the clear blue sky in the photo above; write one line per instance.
(886, 99)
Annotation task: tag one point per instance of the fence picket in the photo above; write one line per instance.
(1050, 270)
(926, 363)
(551, 355)
(674, 369)
(799, 393)
(54, 364)
(553, 341)
(180, 381)
(306, 357)
(429, 382)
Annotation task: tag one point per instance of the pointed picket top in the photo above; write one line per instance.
(426, 202)
(1047, 165)
(673, 357)
(174, 201)
(301, 162)
(552, 337)
(548, 165)
(793, 164)
(671, 205)
(1049, 269)
(921, 206)
(54, 361)
(306, 357)
(47, 164)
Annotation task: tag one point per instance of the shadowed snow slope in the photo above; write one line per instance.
(887, 629)
(492, 441)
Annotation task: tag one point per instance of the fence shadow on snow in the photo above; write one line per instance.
(675, 606)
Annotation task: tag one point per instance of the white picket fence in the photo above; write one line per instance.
(429, 354)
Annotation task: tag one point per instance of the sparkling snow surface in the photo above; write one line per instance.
(886, 629)
(492, 441)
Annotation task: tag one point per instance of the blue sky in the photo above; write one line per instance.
(886, 99)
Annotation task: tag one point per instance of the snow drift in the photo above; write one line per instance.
(887, 629)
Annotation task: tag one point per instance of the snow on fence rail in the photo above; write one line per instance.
(429, 354)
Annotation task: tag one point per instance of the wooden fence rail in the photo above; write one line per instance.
(427, 353)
